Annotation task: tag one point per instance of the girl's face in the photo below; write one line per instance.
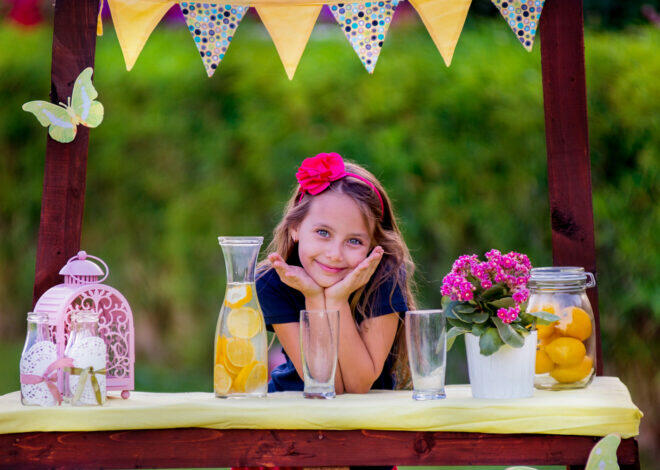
(333, 238)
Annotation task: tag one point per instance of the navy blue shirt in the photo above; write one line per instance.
(282, 304)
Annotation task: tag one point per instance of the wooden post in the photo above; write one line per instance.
(74, 44)
(567, 141)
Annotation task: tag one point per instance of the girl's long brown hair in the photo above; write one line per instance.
(395, 264)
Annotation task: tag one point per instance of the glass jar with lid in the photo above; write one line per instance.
(566, 349)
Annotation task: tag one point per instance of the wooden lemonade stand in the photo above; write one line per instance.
(569, 181)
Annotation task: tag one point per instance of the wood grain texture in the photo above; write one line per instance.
(62, 202)
(194, 447)
(567, 142)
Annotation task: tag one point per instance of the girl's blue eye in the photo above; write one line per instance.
(355, 241)
(323, 233)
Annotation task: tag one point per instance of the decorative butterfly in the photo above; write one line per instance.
(80, 108)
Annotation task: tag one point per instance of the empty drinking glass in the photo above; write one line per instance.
(426, 340)
(319, 335)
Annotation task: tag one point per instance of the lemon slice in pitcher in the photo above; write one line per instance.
(221, 379)
(239, 295)
(252, 377)
(244, 322)
(240, 352)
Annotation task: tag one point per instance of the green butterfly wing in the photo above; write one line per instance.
(61, 127)
(88, 111)
(603, 455)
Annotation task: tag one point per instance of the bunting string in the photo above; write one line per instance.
(365, 23)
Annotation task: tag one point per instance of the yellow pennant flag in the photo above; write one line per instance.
(134, 22)
(444, 21)
(289, 28)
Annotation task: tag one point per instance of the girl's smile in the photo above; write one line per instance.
(333, 238)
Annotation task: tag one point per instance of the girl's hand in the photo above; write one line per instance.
(295, 276)
(356, 278)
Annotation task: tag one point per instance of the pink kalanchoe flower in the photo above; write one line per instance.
(520, 296)
(508, 315)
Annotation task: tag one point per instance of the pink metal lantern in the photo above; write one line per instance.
(83, 290)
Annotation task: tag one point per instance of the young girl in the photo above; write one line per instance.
(338, 247)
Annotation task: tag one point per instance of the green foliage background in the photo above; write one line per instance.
(181, 159)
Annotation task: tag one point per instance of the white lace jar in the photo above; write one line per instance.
(39, 366)
(86, 379)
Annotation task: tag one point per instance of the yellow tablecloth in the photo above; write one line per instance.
(602, 408)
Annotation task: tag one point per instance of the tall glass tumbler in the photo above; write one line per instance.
(319, 339)
(427, 352)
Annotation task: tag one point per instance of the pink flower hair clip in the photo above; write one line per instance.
(316, 173)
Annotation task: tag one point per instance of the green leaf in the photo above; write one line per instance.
(489, 342)
(520, 329)
(479, 329)
(480, 317)
(454, 333)
(449, 308)
(465, 317)
(544, 318)
(464, 308)
(494, 292)
(459, 324)
(504, 302)
(508, 334)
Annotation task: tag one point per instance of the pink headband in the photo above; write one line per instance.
(316, 173)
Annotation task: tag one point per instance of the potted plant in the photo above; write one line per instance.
(486, 301)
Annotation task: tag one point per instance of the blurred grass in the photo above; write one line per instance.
(181, 159)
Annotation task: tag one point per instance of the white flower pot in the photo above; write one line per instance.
(507, 373)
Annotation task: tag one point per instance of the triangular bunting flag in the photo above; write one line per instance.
(444, 21)
(365, 25)
(212, 27)
(134, 22)
(290, 28)
(523, 17)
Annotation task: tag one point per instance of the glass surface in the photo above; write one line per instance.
(39, 351)
(240, 367)
(319, 338)
(566, 349)
(427, 340)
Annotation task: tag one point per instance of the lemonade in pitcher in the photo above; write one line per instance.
(240, 367)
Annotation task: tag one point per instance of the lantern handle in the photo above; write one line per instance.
(81, 255)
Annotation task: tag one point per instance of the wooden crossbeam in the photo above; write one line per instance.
(195, 447)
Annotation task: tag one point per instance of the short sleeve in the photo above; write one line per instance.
(279, 302)
(388, 298)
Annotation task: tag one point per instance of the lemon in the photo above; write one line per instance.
(566, 351)
(240, 352)
(239, 295)
(543, 362)
(545, 331)
(244, 322)
(573, 373)
(253, 376)
(543, 342)
(221, 357)
(575, 322)
(221, 379)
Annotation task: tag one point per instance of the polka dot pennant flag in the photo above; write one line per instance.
(365, 25)
(212, 27)
(523, 17)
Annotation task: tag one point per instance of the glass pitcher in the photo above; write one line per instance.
(566, 350)
(240, 367)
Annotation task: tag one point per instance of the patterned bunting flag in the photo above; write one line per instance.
(212, 27)
(523, 17)
(365, 25)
